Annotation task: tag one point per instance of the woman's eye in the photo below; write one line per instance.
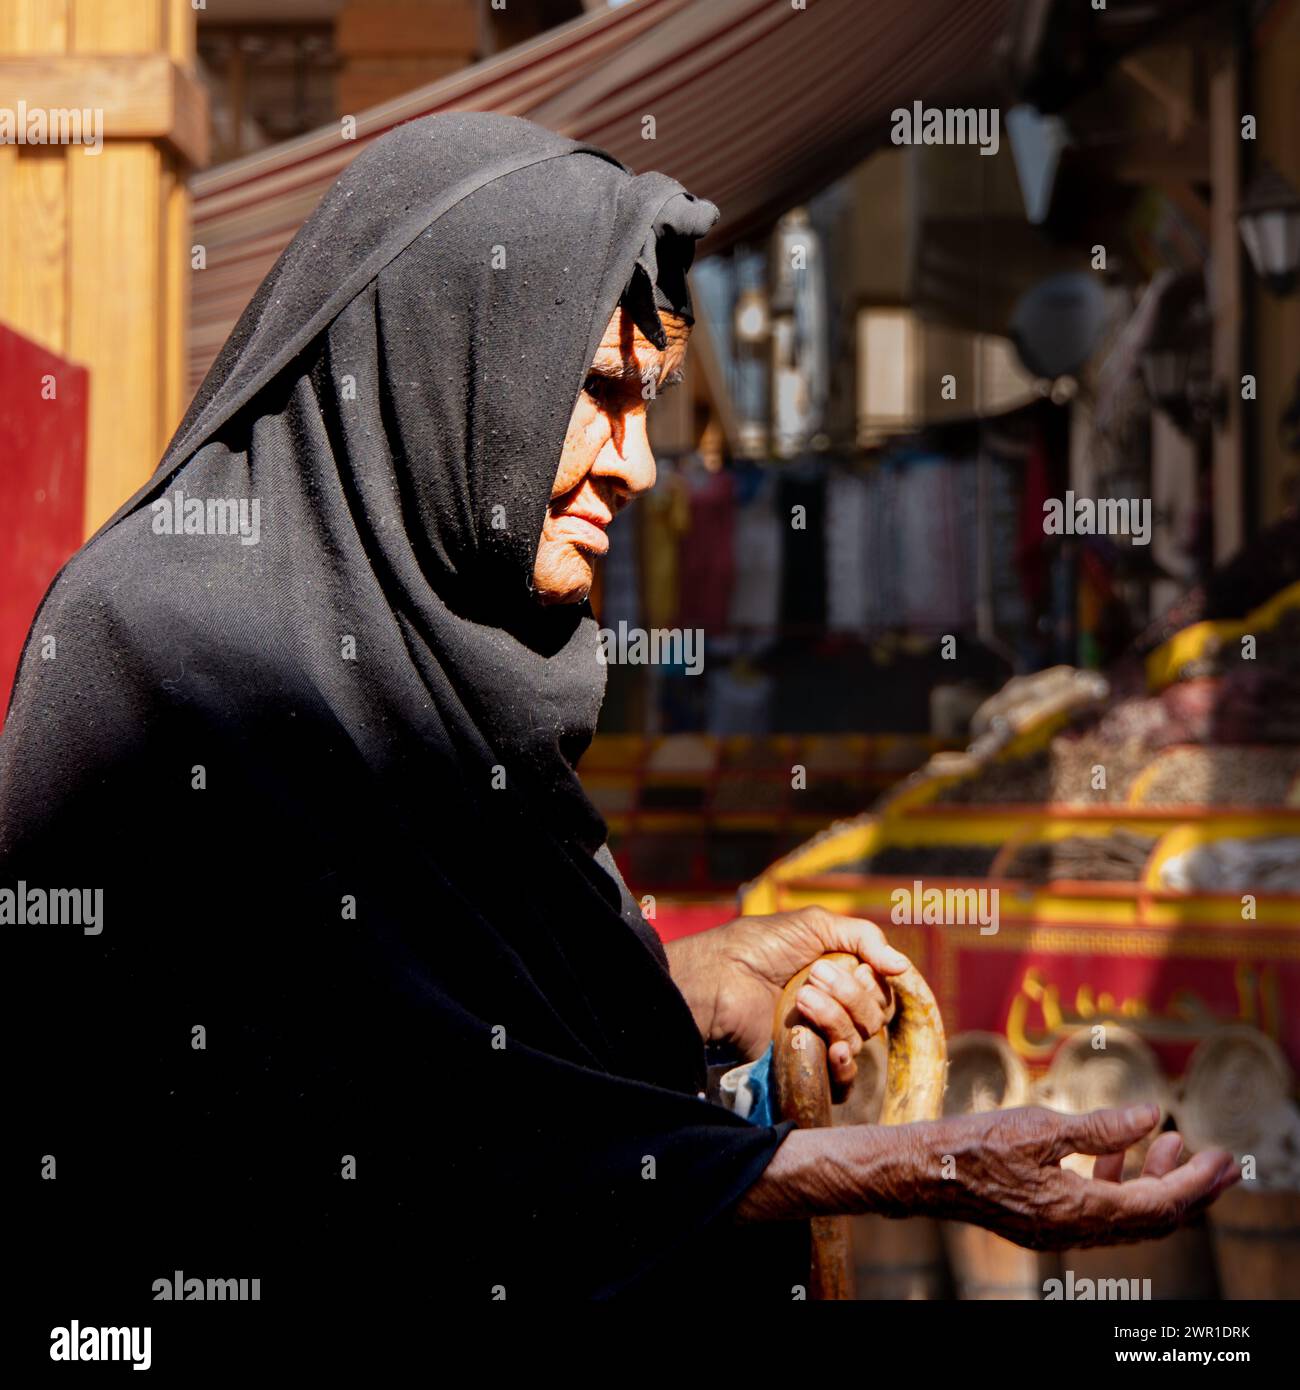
(599, 388)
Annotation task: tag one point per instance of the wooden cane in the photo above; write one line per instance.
(914, 1082)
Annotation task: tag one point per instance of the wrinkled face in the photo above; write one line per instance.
(606, 460)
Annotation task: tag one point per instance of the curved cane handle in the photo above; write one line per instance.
(914, 1083)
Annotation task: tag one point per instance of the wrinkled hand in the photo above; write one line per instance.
(733, 976)
(1005, 1174)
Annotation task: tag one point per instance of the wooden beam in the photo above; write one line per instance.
(387, 48)
(114, 284)
(175, 277)
(1178, 106)
(95, 262)
(441, 27)
(142, 96)
(34, 257)
(1148, 157)
(118, 26)
(33, 296)
(1225, 307)
(34, 26)
(1276, 101)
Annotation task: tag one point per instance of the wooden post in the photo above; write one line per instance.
(1277, 321)
(387, 48)
(96, 254)
(1225, 305)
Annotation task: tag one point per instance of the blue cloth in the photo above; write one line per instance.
(760, 1088)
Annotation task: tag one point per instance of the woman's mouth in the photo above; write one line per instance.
(583, 530)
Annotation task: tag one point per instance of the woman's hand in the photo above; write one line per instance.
(1004, 1172)
(1000, 1170)
(732, 978)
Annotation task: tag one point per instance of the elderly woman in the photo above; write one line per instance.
(368, 1005)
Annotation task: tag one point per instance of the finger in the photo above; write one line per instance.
(876, 987)
(862, 1005)
(1110, 1167)
(1229, 1176)
(881, 991)
(1156, 1204)
(864, 940)
(843, 1067)
(829, 1017)
(1104, 1131)
(1163, 1156)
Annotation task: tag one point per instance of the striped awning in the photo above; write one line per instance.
(756, 104)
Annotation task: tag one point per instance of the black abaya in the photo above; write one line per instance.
(366, 990)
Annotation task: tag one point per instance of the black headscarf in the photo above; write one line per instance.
(326, 782)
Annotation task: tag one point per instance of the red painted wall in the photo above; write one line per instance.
(42, 483)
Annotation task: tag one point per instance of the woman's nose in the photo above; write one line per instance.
(627, 458)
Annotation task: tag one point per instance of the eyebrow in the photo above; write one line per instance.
(629, 371)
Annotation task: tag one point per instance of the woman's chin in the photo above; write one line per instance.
(566, 577)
